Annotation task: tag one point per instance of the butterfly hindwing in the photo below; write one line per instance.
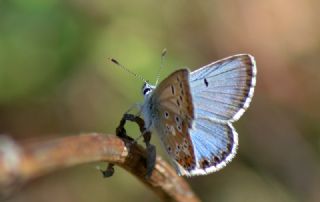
(223, 90)
(215, 145)
(173, 118)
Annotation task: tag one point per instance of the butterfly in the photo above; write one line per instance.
(193, 112)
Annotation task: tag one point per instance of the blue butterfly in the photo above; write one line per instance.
(193, 112)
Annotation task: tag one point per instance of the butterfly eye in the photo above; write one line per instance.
(146, 90)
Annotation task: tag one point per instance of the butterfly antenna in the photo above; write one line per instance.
(127, 70)
(163, 54)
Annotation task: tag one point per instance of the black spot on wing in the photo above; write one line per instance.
(178, 103)
(206, 82)
(172, 89)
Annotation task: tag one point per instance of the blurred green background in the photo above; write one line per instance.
(55, 80)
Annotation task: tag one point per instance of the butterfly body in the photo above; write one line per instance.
(193, 112)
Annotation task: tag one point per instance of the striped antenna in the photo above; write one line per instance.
(127, 70)
(164, 52)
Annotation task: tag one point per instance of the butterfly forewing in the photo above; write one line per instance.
(227, 85)
(173, 118)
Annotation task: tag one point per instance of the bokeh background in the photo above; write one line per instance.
(55, 80)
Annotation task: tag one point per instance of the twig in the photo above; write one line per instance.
(19, 163)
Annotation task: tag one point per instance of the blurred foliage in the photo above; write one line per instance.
(55, 79)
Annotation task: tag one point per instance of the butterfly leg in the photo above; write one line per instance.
(151, 153)
(108, 172)
(120, 130)
(121, 133)
(146, 134)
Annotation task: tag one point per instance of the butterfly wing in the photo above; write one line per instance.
(173, 116)
(223, 90)
(215, 144)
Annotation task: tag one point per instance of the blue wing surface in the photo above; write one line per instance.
(223, 90)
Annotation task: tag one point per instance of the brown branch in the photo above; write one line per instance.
(19, 163)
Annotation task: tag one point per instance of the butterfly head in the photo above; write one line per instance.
(147, 89)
